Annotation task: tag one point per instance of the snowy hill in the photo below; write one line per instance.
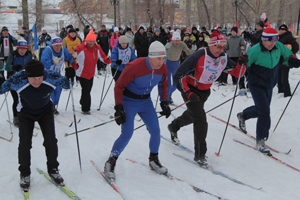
(136, 182)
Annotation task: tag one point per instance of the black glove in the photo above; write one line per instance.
(70, 73)
(119, 62)
(17, 67)
(192, 96)
(293, 61)
(42, 40)
(166, 109)
(243, 60)
(120, 114)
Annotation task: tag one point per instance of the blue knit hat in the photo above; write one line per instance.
(56, 40)
(22, 44)
(269, 34)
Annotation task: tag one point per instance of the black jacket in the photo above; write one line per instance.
(159, 38)
(201, 44)
(141, 44)
(256, 37)
(103, 38)
(287, 38)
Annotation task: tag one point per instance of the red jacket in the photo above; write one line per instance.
(87, 60)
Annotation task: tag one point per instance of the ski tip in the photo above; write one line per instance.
(217, 154)
(289, 151)
(66, 134)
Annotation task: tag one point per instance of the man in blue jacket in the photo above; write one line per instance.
(53, 58)
(34, 86)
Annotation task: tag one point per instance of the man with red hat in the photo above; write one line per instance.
(264, 59)
(193, 79)
(88, 54)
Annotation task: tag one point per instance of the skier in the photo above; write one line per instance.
(121, 55)
(53, 58)
(264, 60)
(15, 62)
(44, 41)
(194, 80)
(132, 96)
(174, 50)
(34, 86)
(88, 54)
(103, 38)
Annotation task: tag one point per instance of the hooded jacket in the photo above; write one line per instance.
(141, 44)
(115, 55)
(233, 46)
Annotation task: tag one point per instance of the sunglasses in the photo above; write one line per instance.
(220, 47)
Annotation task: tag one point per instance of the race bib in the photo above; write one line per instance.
(125, 55)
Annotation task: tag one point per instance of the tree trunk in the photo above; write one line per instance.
(39, 20)
(118, 15)
(188, 13)
(222, 13)
(280, 13)
(161, 12)
(25, 13)
(150, 14)
(207, 14)
(249, 25)
(200, 14)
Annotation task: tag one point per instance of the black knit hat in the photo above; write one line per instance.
(4, 28)
(235, 29)
(261, 24)
(72, 30)
(194, 28)
(34, 68)
(283, 27)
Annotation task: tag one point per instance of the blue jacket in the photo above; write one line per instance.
(15, 58)
(12, 42)
(115, 56)
(34, 100)
(46, 58)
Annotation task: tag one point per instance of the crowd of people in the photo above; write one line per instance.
(170, 59)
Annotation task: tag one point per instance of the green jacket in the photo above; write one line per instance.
(263, 64)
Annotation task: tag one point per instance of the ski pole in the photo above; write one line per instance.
(234, 96)
(286, 106)
(68, 101)
(163, 115)
(103, 88)
(67, 134)
(75, 123)
(3, 103)
(107, 89)
(156, 101)
(221, 104)
(8, 114)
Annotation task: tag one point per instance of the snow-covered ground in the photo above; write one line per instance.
(137, 182)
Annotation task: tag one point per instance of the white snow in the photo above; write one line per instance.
(138, 182)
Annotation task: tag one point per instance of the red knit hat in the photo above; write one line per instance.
(217, 38)
(90, 36)
(269, 34)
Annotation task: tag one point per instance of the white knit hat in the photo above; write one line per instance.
(176, 36)
(44, 28)
(116, 29)
(156, 49)
(123, 39)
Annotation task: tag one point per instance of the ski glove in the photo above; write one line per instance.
(17, 67)
(55, 60)
(120, 114)
(70, 73)
(74, 54)
(192, 96)
(243, 60)
(168, 45)
(119, 62)
(293, 61)
(166, 109)
(194, 47)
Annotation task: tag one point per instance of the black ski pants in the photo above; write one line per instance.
(283, 82)
(26, 126)
(195, 115)
(118, 74)
(86, 87)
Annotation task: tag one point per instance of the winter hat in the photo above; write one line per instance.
(128, 29)
(223, 32)
(22, 44)
(123, 39)
(269, 34)
(217, 38)
(203, 28)
(103, 26)
(24, 27)
(34, 68)
(235, 29)
(156, 30)
(261, 24)
(91, 36)
(264, 16)
(189, 29)
(56, 40)
(176, 36)
(141, 27)
(72, 30)
(283, 27)
(156, 49)
(187, 34)
(4, 28)
(171, 31)
(44, 28)
(116, 29)
(194, 28)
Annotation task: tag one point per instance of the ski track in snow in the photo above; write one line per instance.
(138, 182)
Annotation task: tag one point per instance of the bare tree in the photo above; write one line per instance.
(188, 12)
(207, 14)
(25, 13)
(222, 12)
(281, 7)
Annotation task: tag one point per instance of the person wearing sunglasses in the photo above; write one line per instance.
(193, 79)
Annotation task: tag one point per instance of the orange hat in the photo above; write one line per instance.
(91, 36)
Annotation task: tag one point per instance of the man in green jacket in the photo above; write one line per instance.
(264, 59)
